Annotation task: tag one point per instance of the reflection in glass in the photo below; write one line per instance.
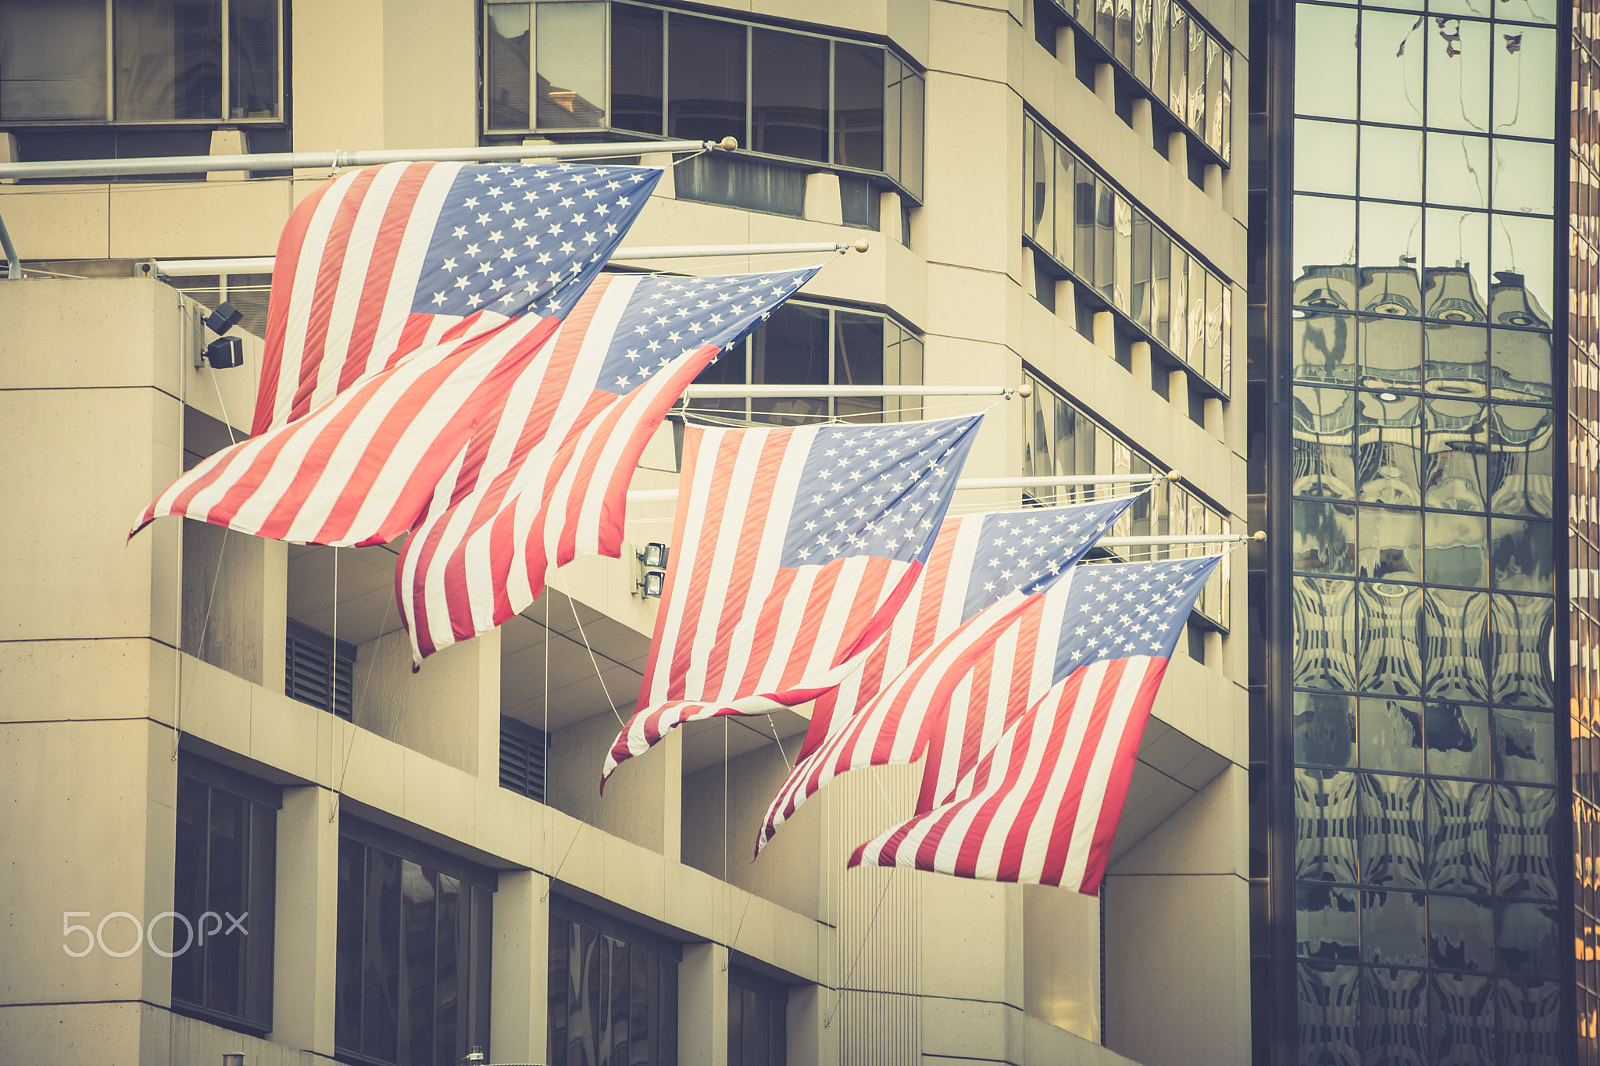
(1458, 169)
(1325, 538)
(1461, 1019)
(1458, 75)
(1391, 359)
(1391, 735)
(1324, 728)
(1391, 929)
(1391, 290)
(571, 40)
(1524, 842)
(53, 60)
(1525, 746)
(1327, 1009)
(1530, 1019)
(1391, 67)
(1524, 176)
(858, 95)
(1394, 1011)
(1520, 359)
(1456, 549)
(1456, 460)
(168, 61)
(1522, 555)
(1527, 939)
(1455, 645)
(1324, 348)
(706, 78)
(1324, 246)
(1325, 157)
(1324, 633)
(1524, 92)
(1388, 450)
(1325, 826)
(1456, 263)
(1520, 474)
(1390, 546)
(1458, 836)
(789, 94)
(1522, 254)
(505, 51)
(636, 58)
(1391, 824)
(1522, 648)
(1391, 165)
(1391, 234)
(1326, 923)
(1457, 359)
(1460, 933)
(1458, 739)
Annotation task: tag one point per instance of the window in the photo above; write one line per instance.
(223, 895)
(522, 751)
(758, 1011)
(141, 61)
(1158, 289)
(413, 942)
(1160, 47)
(623, 67)
(613, 991)
(1059, 437)
(319, 670)
(812, 344)
(246, 292)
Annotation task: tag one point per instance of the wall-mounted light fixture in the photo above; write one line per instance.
(224, 352)
(650, 570)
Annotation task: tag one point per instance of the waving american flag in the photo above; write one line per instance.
(545, 478)
(794, 548)
(976, 561)
(1041, 804)
(387, 260)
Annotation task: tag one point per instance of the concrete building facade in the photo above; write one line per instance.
(402, 867)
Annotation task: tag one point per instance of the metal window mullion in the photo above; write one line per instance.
(225, 105)
(205, 898)
(666, 72)
(605, 67)
(281, 104)
(533, 68)
(749, 85)
(832, 357)
(833, 74)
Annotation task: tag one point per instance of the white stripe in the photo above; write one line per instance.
(1103, 757)
(307, 267)
(409, 261)
(352, 279)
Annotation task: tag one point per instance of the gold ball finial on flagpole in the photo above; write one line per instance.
(1025, 389)
(728, 144)
(862, 245)
(1173, 475)
(1259, 536)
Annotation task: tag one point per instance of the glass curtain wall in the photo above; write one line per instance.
(1583, 536)
(1427, 872)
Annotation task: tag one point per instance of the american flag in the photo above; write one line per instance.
(352, 439)
(793, 549)
(976, 560)
(387, 260)
(1041, 806)
(545, 479)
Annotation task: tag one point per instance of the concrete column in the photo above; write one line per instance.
(1143, 119)
(703, 1005)
(1067, 46)
(8, 154)
(1213, 642)
(1214, 181)
(1178, 150)
(519, 996)
(808, 1041)
(1213, 416)
(1178, 389)
(890, 217)
(1105, 84)
(665, 187)
(227, 142)
(1105, 332)
(823, 200)
(274, 613)
(1139, 353)
(670, 754)
(306, 921)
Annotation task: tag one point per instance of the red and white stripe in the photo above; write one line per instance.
(950, 704)
(347, 267)
(1042, 806)
(361, 468)
(736, 632)
(543, 482)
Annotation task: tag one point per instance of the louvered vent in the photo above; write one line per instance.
(318, 669)
(522, 749)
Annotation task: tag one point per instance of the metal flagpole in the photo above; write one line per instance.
(1131, 480)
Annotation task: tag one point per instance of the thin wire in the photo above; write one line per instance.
(355, 698)
(593, 661)
(205, 622)
(544, 742)
(777, 740)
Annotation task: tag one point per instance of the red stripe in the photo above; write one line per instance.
(1082, 759)
(1016, 843)
(692, 438)
(397, 216)
(804, 639)
(329, 271)
(943, 819)
(412, 334)
(996, 793)
(286, 265)
(1105, 830)
(684, 641)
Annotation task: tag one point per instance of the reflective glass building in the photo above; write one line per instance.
(1420, 818)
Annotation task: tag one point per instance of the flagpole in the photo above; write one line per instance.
(1131, 480)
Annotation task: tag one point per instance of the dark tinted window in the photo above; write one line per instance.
(706, 81)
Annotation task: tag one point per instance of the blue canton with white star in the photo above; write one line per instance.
(667, 318)
(1117, 610)
(520, 237)
(1028, 551)
(876, 490)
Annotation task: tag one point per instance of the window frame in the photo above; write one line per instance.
(257, 947)
(223, 119)
(894, 174)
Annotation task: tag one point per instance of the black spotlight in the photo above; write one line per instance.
(224, 352)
